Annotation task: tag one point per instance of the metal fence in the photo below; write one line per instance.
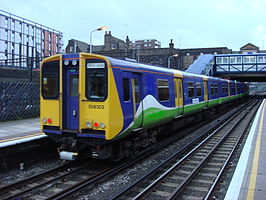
(19, 100)
(22, 63)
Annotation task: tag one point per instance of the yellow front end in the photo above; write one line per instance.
(102, 116)
(50, 109)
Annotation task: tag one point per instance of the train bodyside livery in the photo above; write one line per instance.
(111, 108)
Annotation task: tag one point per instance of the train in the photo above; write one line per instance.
(108, 108)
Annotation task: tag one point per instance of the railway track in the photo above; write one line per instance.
(70, 178)
(57, 181)
(196, 174)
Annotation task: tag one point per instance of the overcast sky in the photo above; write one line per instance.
(190, 23)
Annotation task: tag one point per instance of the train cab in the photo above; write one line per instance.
(79, 99)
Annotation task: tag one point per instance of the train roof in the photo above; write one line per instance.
(121, 63)
(118, 62)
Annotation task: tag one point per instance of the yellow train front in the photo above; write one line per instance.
(76, 109)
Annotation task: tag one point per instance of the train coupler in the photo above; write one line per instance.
(65, 155)
(68, 149)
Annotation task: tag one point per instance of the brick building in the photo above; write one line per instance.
(117, 48)
(145, 44)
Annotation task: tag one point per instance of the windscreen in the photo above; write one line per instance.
(96, 80)
(50, 80)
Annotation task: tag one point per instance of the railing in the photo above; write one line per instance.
(23, 63)
(19, 100)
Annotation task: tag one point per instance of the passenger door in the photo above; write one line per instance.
(71, 99)
(137, 95)
(179, 95)
(206, 93)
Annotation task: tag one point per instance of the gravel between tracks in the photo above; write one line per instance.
(8, 177)
(107, 189)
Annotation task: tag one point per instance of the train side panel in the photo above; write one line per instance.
(193, 94)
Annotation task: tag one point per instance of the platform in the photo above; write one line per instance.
(249, 179)
(19, 130)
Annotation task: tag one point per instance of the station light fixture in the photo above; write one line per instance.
(102, 28)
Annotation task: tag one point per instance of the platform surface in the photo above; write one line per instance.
(13, 130)
(249, 180)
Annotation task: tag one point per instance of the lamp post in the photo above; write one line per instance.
(98, 29)
(169, 59)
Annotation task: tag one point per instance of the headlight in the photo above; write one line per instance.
(44, 120)
(66, 62)
(88, 124)
(74, 62)
(102, 125)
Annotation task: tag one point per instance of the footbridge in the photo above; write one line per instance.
(241, 67)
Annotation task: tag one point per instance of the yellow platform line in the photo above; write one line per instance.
(22, 137)
(253, 176)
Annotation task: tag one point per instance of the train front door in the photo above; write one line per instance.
(71, 99)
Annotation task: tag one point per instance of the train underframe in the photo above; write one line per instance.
(133, 144)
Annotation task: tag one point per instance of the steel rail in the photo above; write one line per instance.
(141, 194)
(33, 179)
(212, 189)
(178, 190)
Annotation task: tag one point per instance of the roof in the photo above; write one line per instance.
(83, 46)
(249, 46)
(199, 65)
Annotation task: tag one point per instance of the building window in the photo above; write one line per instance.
(71, 48)
(225, 60)
(219, 60)
(114, 46)
(239, 59)
(163, 90)
(249, 59)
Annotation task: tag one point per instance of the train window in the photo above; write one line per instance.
(137, 90)
(163, 90)
(224, 89)
(216, 89)
(126, 90)
(198, 88)
(50, 80)
(190, 89)
(238, 89)
(96, 80)
(74, 85)
(233, 88)
(211, 88)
